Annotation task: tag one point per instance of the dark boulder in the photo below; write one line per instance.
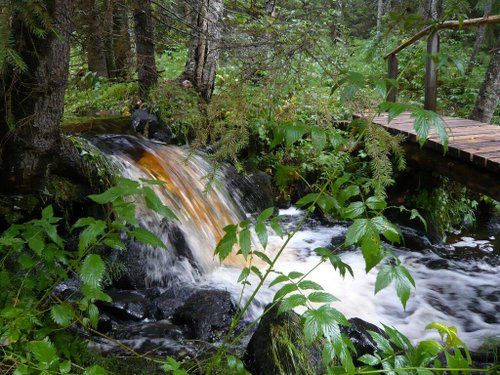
(164, 305)
(149, 125)
(207, 314)
(253, 191)
(359, 336)
(278, 346)
(125, 305)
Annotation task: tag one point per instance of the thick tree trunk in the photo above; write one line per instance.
(90, 21)
(122, 50)
(145, 47)
(481, 31)
(206, 23)
(489, 93)
(31, 107)
(107, 18)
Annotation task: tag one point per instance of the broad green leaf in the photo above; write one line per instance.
(403, 282)
(92, 270)
(321, 297)
(347, 193)
(94, 370)
(266, 214)
(389, 230)
(261, 230)
(244, 274)
(295, 275)
(382, 343)
(44, 352)
(147, 237)
(323, 321)
(357, 230)
(309, 285)
(36, 243)
(286, 289)
(384, 278)
(293, 133)
(369, 359)
(291, 302)
(263, 256)
(278, 280)
(318, 137)
(62, 314)
(94, 293)
(415, 214)
(90, 235)
(431, 347)
(245, 242)
(371, 249)
(354, 210)
(154, 203)
(375, 203)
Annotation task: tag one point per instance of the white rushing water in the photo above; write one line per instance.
(460, 293)
(463, 293)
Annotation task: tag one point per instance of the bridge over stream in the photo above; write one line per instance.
(473, 156)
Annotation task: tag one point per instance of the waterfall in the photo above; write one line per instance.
(450, 289)
(202, 211)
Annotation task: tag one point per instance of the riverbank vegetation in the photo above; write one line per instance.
(286, 90)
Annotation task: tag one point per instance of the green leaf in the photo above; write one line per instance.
(114, 243)
(403, 282)
(154, 203)
(375, 203)
(245, 242)
(62, 314)
(382, 343)
(44, 352)
(424, 120)
(293, 133)
(308, 285)
(108, 196)
(384, 278)
(354, 210)
(263, 256)
(278, 280)
(147, 237)
(372, 252)
(266, 214)
(92, 270)
(323, 321)
(286, 289)
(93, 313)
(348, 193)
(261, 230)
(90, 235)
(393, 109)
(36, 243)
(65, 367)
(389, 230)
(225, 245)
(415, 214)
(244, 274)
(94, 293)
(431, 347)
(369, 359)
(276, 226)
(357, 230)
(321, 297)
(291, 302)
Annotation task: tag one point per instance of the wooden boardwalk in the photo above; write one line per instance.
(469, 141)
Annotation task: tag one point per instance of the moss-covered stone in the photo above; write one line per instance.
(278, 347)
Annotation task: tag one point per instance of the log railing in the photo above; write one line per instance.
(432, 49)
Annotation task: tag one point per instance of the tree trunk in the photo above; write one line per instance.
(380, 14)
(31, 107)
(145, 47)
(489, 93)
(206, 23)
(92, 28)
(479, 39)
(107, 18)
(271, 8)
(122, 50)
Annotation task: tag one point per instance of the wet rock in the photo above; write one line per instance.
(254, 191)
(68, 290)
(359, 336)
(415, 239)
(150, 125)
(278, 346)
(165, 304)
(207, 314)
(125, 305)
(105, 323)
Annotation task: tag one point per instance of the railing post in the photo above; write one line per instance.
(392, 65)
(430, 101)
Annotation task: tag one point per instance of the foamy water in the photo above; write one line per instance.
(463, 293)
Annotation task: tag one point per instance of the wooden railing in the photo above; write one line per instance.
(430, 98)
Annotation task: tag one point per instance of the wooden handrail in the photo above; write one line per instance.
(444, 25)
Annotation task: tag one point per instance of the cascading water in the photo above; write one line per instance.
(460, 292)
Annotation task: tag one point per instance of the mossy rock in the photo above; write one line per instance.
(278, 347)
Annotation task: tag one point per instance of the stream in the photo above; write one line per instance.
(456, 282)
